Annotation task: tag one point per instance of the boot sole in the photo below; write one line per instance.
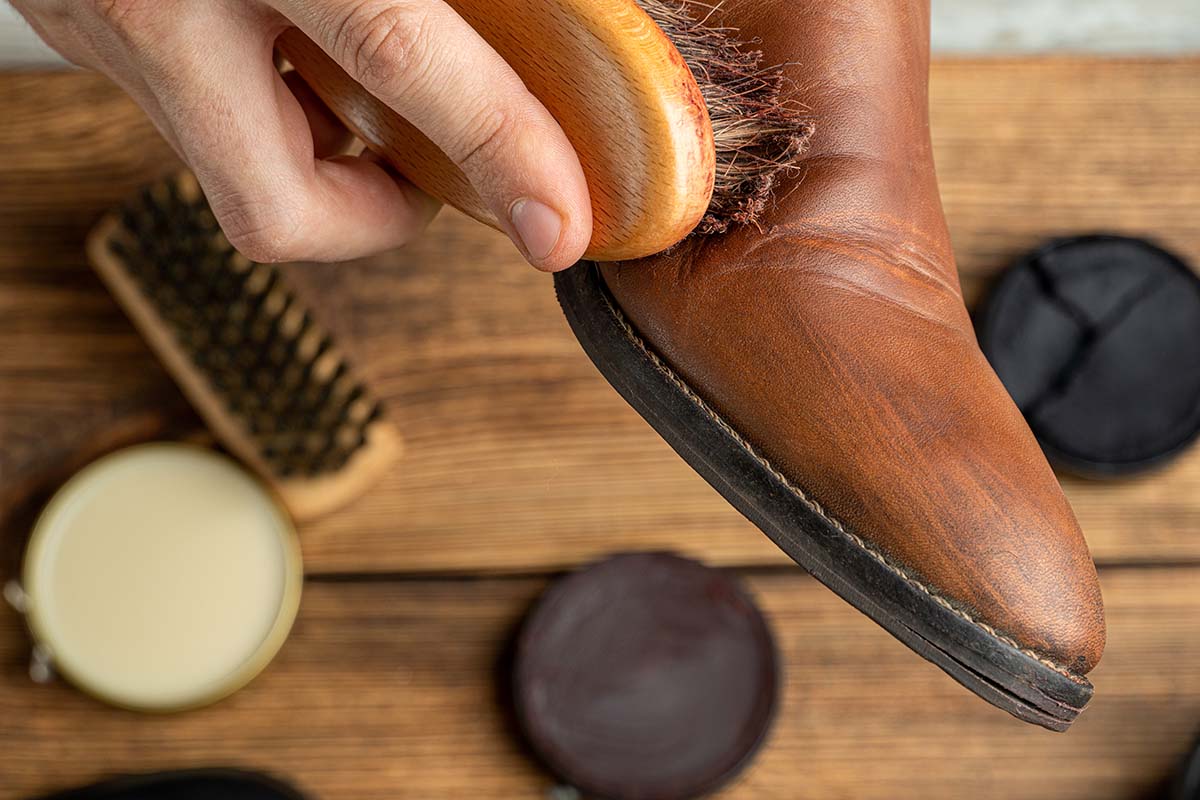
(1021, 682)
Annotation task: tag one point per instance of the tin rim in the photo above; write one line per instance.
(250, 667)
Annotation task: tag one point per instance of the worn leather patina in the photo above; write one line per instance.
(834, 338)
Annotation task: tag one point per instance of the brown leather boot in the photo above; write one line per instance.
(822, 373)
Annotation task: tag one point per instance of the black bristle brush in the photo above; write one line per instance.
(261, 371)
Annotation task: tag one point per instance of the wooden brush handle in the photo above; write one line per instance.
(618, 87)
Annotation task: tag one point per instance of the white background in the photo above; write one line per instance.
(959, 26)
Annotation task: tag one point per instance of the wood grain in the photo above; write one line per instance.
(631, 109)
(393, 690)
(519, 456)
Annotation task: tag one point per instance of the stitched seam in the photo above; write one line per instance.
(816, 507)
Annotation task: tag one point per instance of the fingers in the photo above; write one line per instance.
(248, 139)
(420, 58)
(256, 141)
(330, 137)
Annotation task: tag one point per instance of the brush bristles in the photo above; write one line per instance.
(758, 135)
(274, 368)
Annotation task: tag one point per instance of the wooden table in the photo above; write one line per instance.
(522, 462)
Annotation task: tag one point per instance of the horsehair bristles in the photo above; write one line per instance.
(758, 135)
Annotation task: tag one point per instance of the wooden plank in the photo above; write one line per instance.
(1028, 150)
(519, 456)
(391, 690)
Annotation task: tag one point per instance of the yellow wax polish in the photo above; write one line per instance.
(162, 577)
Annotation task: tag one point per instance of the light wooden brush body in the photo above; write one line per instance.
(614, 82)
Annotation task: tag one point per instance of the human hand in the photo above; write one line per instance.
(266, 151)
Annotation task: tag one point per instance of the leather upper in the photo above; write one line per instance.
(834, 338)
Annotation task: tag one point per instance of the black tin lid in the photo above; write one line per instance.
(1097, 339)
(646, 677)
(1187, 781)
(191, 784)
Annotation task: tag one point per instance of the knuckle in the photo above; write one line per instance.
(385, 48)
(260, 232)
(483, 139)
(120, 13)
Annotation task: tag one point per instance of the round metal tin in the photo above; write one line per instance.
(161, 577)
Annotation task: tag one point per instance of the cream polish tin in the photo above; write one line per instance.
(159, 578)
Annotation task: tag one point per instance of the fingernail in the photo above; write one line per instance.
(538, 226)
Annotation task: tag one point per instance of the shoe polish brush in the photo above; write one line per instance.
(255, 363)
(677, 125)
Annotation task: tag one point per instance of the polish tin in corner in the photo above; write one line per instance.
(1097, 339)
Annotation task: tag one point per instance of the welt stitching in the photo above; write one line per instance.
(816, 507)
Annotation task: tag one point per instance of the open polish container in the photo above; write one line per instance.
(159, 578)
